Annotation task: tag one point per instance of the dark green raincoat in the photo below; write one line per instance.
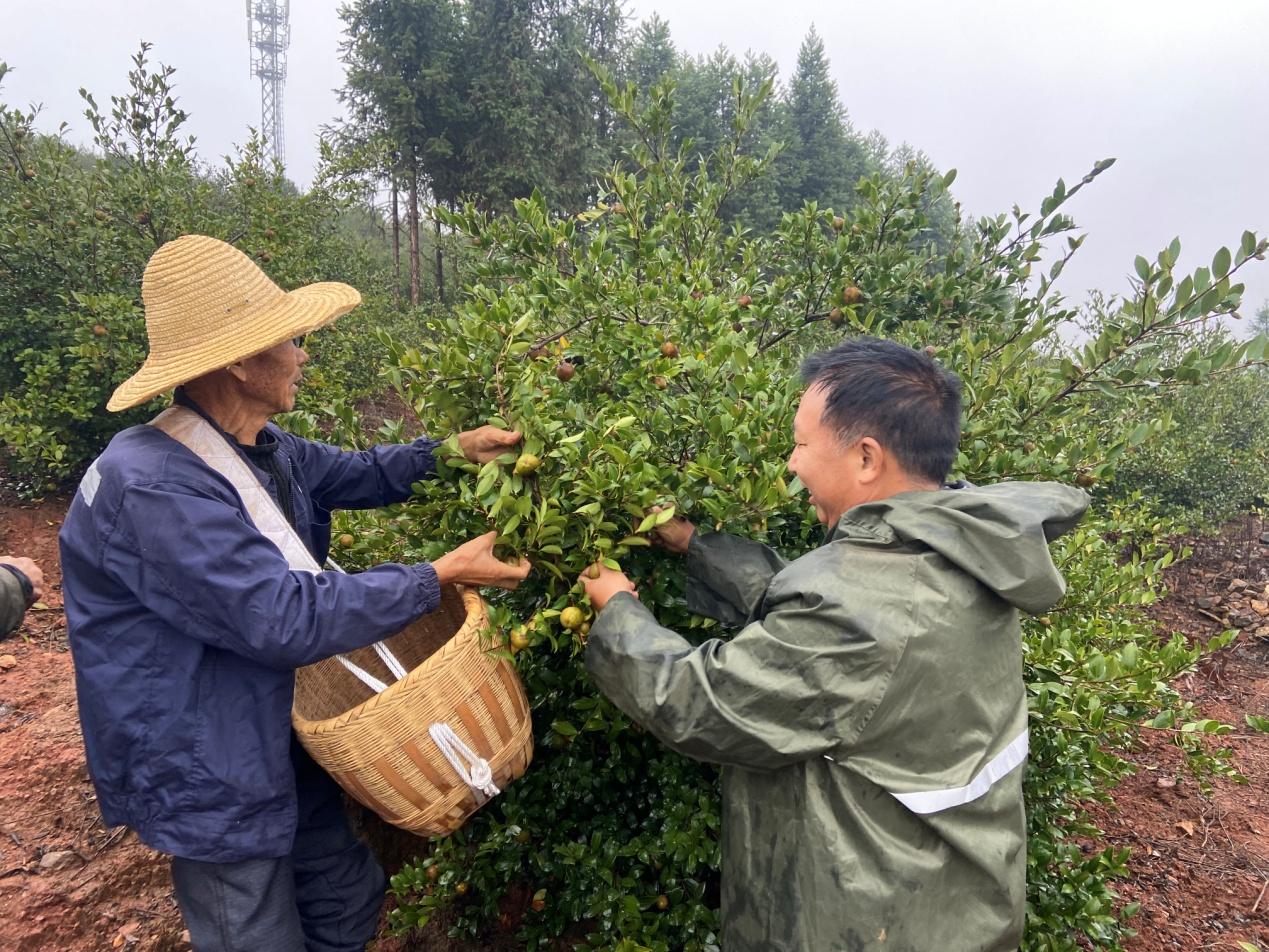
(870, 715)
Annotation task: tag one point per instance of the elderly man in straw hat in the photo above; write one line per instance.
(186, 621)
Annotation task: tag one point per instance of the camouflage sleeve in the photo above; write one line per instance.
(12, 603)
(726, 575)
(797, 684)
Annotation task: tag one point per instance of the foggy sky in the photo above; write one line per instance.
(1012, 93)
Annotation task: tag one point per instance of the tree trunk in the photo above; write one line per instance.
(453, 260)
(440, 262)
(413, 213)
(396, 245)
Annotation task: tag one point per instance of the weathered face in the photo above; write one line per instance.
(828, 470)
(273, 377)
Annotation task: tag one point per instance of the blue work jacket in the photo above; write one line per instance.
(186, 626)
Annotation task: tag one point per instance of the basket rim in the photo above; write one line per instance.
(477, 619)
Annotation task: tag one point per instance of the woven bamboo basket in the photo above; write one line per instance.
(377, 746)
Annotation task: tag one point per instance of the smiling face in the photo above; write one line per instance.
(828, 470)
(839, 476)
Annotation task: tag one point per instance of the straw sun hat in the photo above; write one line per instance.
(207, 305)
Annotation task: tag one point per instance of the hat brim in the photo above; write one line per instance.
(301, 311)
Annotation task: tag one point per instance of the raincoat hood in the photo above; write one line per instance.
(998, 534)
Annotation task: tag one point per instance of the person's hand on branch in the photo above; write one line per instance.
(675, 535)
(473, 563)
(487, 442)
(602, 583)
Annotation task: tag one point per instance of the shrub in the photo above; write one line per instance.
(610, 840)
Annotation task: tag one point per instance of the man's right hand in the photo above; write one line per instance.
(473, 563)
(675, 535)
(32, 572)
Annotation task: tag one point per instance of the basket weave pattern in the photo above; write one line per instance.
(377, 745)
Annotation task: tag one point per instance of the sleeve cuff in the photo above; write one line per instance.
(429, 588)
(28, 591)
(427, 456)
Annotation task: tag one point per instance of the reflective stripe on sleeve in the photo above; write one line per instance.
(88, 485)
(935, 801)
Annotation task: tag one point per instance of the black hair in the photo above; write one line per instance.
(899, 396)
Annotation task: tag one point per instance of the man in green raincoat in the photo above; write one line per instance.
(870, 715)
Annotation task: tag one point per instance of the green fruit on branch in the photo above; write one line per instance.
(519, 639)
(572, 618)
(527, 464)
(838, 223)
(346, 540)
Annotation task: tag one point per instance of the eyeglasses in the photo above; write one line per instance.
(299, 341)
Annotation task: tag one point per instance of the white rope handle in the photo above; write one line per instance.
(480, 777)
(362, 675)
(396, 668)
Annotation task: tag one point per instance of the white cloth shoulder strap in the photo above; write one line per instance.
(185, 426)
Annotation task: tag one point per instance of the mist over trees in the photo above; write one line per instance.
(486, 101)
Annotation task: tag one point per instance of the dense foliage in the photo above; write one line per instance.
(649, 354)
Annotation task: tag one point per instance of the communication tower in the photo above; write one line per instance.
(269, 30)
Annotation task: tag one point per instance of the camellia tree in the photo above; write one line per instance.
(649, 356)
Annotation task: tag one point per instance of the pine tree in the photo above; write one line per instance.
(652, 55)
(825, 157)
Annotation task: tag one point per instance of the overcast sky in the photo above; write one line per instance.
(1013, 94)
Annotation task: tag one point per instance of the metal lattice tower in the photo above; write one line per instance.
(269, 30)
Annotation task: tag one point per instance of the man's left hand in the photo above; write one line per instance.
(604, 585)
(487, 442)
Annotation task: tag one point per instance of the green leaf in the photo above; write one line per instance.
(1143, 268)
(1220, 264)
(1257, 723)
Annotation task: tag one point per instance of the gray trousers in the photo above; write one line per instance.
(324, 897)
